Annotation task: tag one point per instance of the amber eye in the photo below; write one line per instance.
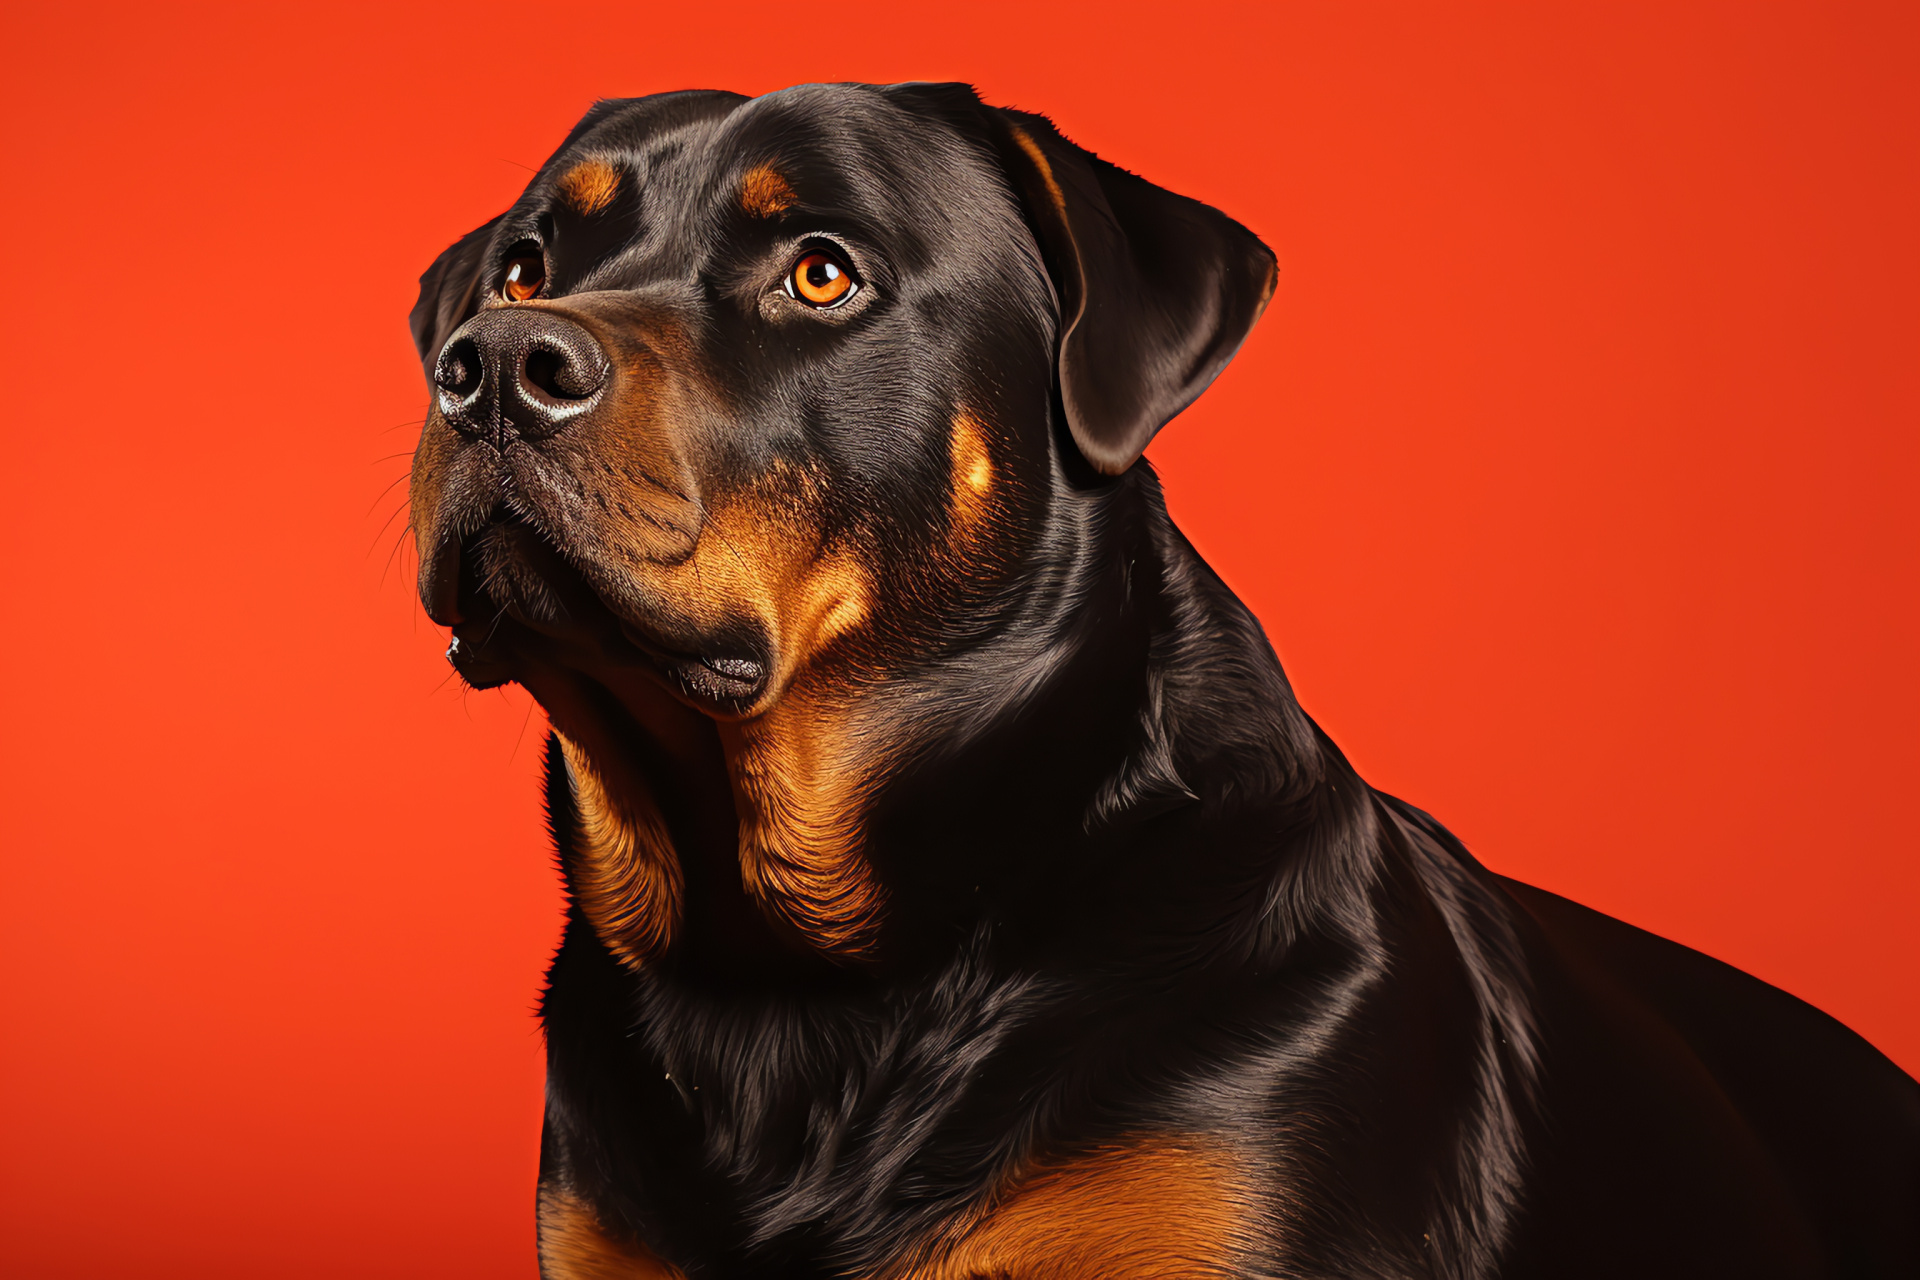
(819, 281)
(526, 272)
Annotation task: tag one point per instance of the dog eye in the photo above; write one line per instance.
(526, 272)
(819, 281)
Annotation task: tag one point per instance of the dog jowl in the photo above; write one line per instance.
(955, 887)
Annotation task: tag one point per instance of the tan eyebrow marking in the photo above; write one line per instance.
(764, 193)
(590, 185)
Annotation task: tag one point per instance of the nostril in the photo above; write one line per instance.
(458, 371)
(559, 376)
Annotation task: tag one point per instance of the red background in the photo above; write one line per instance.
(1572, 472)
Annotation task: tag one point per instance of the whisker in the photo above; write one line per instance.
(498, 618)
(659, 484)
(386, 524)
(728, 544)
(383, 493)
(524, 722)
(398, 543)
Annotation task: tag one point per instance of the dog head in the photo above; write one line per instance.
(760, 404)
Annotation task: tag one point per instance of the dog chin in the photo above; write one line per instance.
(513, 581)
(514, 571)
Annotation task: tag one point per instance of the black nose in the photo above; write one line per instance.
(517, 372)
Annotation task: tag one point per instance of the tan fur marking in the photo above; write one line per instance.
(801, 785)
(625, 874)
(590, 185)
(760, 550)
(764, 193)
(803, 794)
(1162, 1208)
(972, 466)
(799, 774)
(1032, 148)
(574, 1246)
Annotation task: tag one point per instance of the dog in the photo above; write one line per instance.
(956, 889)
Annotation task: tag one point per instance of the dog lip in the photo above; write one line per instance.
(478, 668)
(735, 666)
(744, 670)
(725, 674)
(724, 683)
(440, 584)
(717, 681)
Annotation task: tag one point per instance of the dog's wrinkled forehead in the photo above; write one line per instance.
(683, 185)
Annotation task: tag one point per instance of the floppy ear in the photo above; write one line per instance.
(448, 291)
(1156, 291)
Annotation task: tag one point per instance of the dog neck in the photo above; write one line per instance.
(862, 824)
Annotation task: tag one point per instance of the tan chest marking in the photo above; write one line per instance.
(802, 791)
(799, 773)
(574, 1246)
(624, 872)
(1160, 1209)
(805, 770)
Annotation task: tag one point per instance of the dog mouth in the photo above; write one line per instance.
(508, 587)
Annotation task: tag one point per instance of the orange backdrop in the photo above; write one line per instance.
(1572, 473)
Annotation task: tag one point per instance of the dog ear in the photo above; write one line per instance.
(448, 291)
(1156, 291)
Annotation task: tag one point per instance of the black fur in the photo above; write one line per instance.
(1131, 887)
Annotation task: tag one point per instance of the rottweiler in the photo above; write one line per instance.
(956, 890)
